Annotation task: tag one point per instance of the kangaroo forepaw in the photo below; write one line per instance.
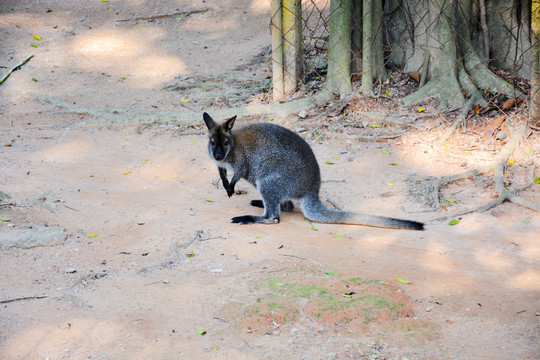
(230, 190)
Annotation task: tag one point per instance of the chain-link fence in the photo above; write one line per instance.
(460, 52)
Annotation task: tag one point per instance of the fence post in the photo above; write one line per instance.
(339, 47)
(534, 111)
(277, 51)
(292, 44)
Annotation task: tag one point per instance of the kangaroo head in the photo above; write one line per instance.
(221, 141)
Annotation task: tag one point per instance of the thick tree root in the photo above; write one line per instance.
(431, 188)
(141, 116)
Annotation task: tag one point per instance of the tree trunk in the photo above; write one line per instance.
(277, 51)
(339, 48)
(534, 112)
(458, 71)
(378, 48)
(356, 37)
(292, 44)
(367, 45)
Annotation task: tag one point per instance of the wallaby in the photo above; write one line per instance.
(282, 166)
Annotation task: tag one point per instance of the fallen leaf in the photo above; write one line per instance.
(277, 283)
(126, 138)
(511, 162)
(185, 100)
(244, 19)
(403, 281)
(347, 295)
(508, 103)
(493, 126)
(190, 255)
(330, 272)
(127, 173)
(415, 76)
(450, 200)
(393, 164)
(387, 91)
(33, 45)
(537, 180)
(373, 125)
(453, 222)
(390, 184)
(527, 221)
(200, 332)
(210, 201)
(329, 163)
(338, 236)
(420, 109)
(175, 176)
(384, 151)
(34, 80)
(91, 235)
(37, 37)
(3, 218)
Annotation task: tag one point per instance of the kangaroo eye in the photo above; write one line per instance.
(226, 142)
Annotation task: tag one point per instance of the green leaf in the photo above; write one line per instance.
(312, 226)
(450, 200)
(91, 235)
(453, 222)
(527, 221)
(34, 80)
(126, 138)
(338, 236)
(190, 255)
(185, 100)
(384, 151)
(277, 283)
(210, 201)
(244, 19)
(373, 125)
(330, 272)
(37, 37)
(403, 281)
(329, 163)
(199, 331)
(390, 184)
(346, 295)
(537, 180)
(3, 218)
(33, 45)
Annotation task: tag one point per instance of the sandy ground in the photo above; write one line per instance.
(148, 262)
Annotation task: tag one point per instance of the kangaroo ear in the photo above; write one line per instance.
(210, 123)
(228, 124)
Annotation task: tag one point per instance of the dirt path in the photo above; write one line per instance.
(150, 268)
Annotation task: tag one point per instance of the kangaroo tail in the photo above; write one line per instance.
(315, 211)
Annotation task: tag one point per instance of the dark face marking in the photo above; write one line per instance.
(221, 140)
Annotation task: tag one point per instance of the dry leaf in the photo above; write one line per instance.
(415, 76)
(509, 103)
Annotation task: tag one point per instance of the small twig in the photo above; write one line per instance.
(70, 208)
(294, 256)
(17, 67)
(23, 298)
(184, 12)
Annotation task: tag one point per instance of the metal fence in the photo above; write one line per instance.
(457, 51)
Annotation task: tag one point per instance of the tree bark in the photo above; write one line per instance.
(339, 48)
(292, 44)
(367, 47)
(534, 111)
(277, 51)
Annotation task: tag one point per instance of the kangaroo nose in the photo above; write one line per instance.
(218, 155)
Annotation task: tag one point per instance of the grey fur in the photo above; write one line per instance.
(282, 166)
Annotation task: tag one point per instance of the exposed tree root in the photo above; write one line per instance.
(141, 116)
(431, 188)
(175, 14)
